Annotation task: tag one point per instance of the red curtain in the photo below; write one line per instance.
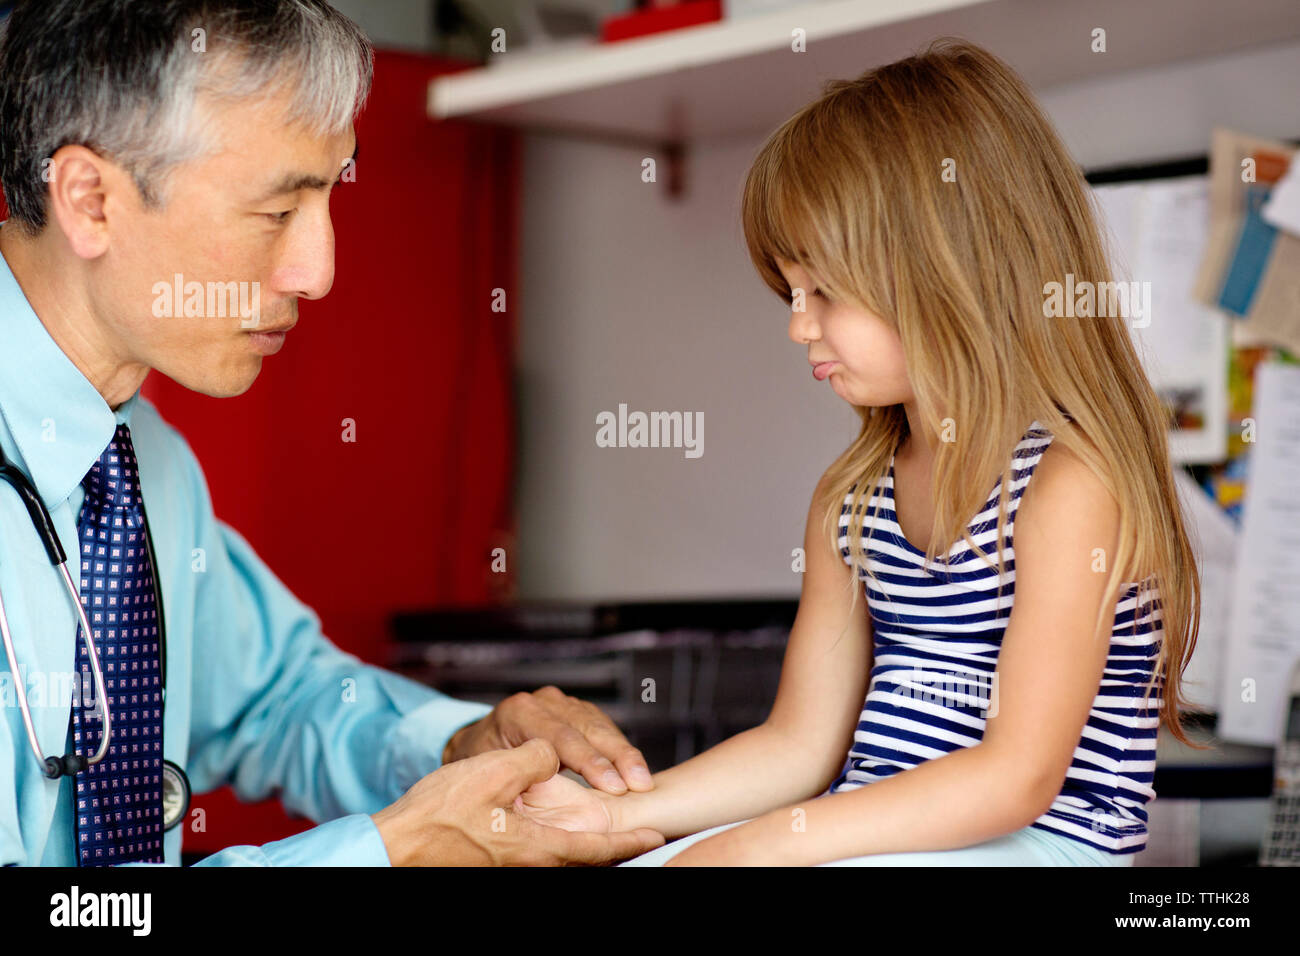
(408, 347)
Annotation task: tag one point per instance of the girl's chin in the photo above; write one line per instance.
(850, 395)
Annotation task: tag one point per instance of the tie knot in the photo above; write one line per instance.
(113, 482)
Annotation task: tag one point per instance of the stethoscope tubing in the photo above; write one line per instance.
(44, 526)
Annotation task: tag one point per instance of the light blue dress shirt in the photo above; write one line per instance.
(257, 697)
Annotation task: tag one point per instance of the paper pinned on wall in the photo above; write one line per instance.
(1156, 231)
(1282, 210)
(1263, 637)
(1249, 266)
(1214, 539)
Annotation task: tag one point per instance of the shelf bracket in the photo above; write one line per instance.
(675, 159)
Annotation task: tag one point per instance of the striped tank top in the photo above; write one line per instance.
(938, 631)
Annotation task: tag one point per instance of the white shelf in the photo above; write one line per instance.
(740, 77)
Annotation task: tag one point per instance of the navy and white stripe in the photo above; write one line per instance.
(938, 630)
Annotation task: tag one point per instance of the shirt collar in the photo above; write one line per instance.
(58, 420)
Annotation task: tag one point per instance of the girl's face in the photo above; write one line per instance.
(869, 368)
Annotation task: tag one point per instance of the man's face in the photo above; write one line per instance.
(248, 231)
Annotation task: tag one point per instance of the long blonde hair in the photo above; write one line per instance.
(934, 193)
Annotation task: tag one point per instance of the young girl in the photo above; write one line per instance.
(913, 219)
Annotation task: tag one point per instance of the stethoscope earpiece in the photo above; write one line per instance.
(69, 765)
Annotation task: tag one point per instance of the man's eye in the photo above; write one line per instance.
(279, 216)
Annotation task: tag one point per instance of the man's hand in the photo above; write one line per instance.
(462, 815)
(563, 802)
(585, 739)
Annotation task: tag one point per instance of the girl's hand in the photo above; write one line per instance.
(562, 802)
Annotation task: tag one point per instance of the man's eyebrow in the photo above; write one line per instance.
(293, 182)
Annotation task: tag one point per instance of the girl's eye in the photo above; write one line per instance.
(280, 216)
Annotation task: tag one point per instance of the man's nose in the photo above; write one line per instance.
(307, 266)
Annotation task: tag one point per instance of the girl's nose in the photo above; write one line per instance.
(803, 327)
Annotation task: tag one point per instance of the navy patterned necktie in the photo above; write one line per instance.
(119, 799)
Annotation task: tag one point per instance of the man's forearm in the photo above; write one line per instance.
(963, 798)
(744, 776)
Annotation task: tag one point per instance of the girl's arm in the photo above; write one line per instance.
(798, 751)
(1049, 671)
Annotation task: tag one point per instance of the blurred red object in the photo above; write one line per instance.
(659, 19)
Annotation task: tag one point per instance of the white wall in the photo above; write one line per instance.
(395, 24)
(628, 296)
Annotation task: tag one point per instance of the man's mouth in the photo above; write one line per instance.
(268, 342)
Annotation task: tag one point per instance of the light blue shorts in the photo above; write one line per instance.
(1032, 846)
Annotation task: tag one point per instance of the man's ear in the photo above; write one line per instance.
(83, 186)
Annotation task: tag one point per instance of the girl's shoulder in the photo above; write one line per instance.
(1067, 505)
(1064, 475)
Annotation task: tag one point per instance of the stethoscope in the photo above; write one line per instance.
(176, 786)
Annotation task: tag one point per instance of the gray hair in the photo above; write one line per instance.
(121, 77)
